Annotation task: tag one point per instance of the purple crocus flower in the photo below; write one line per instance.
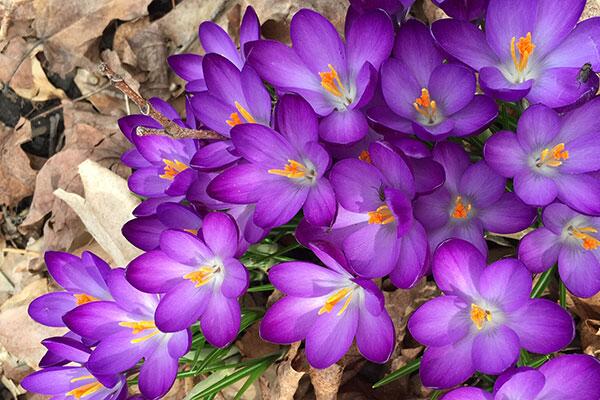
(285, 171)
(472, 200)
(200, 277)
(552, 156)
(569, 376)
(336, 78)
(397, 9)
(572, 240)
(215, 40)
(84, 281)
(234, 97)
(527, 50)
(328, 307)
(426, 97)
(126, 332)
(484, 319)
(466, 10)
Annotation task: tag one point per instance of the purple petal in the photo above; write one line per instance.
(343, 127)
(181, 183)
(535, 189)
(215, 40)
(537, 127)
(330, 337)
(220, 322)
(143, 232)
(393, 167)
(356, 185)
(187, 66)
(116, 353)
(372, 250)
(522, 385)
(49, 308)
(437, 132)
(369, 39)
(182, 306)
(67, 348)
(433, 210)
(331, 256)
(240, 184)
(282, 203)
(539, 250)
(235, 281)
(96, 320)
(256, 95)
(507, 215)
(155, 272)
(220, 234)
(262, 145)
(495, 349)
(383, 115)
(452, 86)
(147, 182)
(320, 205)
(580, 192)
(475, 116)
(455, 161)
(468, 393)
(158, 373)
(457, 267)
(214, 156)
(413, 259)
(79, 275)
(297, 121)
(494, 83)
(580, 371)
(580, 47)
(250, 27)
(550, 30)
(582, 151)
(508, 19)
(213, 112)
(375, 336)
(465, 42)
(447, 366)
(441, 321)
(290, 319)
(579, 269)
(184, 248)
(504, 154)
(481, 184)
(428, 174)
(506, 283)
(559, 87)
(53, 380)
(533, 323)
(303, 279)
(400, 88)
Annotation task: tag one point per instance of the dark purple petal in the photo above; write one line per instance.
(383, 115)
(452, 87)
(343, 127)
(428, 174)
(297, 121)
(77, 275)
(187, 66)
(447, 366)
(281, 202)
(129, 123)
(475, 116)
(220, 322)
(369, 39)
(441, 321)
(214, 156)
(184, 248)
(49, 308)
(413, 258)
(457, 267)
(507, 215)
(262, 145)
(289, 319)
(147, 182)
(539, 250)
(67, 348)
(215, 40)
(240, 184)
(53, 380)
(375, 336)
(393, 167)
(250, 27)
(256, 96)
(96, 320)
(143, 232)
(494, 83)
(320, 205)
(331, 256)
(433, 210)
(455, 161)
(437, 132)
(213, 112)
(116, 353)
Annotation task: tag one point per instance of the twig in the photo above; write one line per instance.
(170, 127)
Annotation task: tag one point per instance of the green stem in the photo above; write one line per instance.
(562, 292)
(542, 283)
(408, 369)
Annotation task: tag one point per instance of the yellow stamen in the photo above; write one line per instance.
(479, 316)
(234, 118)
(588, 241)
(293, 169)
(138, 326)
(552, 157)
(365, 156)
(192, 231)
(383, 215)
(425, 106)
(525, 47)
(460, 210)
(330, 80)
(144, 338)
(201, 276)
(172, 168)
(336, 298)
(83, 298)
(84, 390)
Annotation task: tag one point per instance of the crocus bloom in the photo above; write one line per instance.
(285, 171)
(467, 10)
(233, 97)
(200, 277)
(397, 9)
(426, 97)
(84, 281)
(484, 319)
(215, 40)
(126, 332)
(570, 376)
(328, 307)
(162, 164)
(552, 156)
(472, 200)
(336, 78)
(572, 240)
(527, 50)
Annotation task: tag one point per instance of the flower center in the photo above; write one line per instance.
(336, 298)
(234, 118)
(293, 170)
(460, 210)
(172, 168)
(83, 298)
(588, 241)
(138, 327)
(479, 316)
(552, 157)
(383, 215)
(86, 389)
(202, 276)
(365, 156)
(525, 48)
(425, 106)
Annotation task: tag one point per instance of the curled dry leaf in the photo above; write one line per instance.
(30, 81)
(326, 382)
(590, 337)
(16, 174)
(106, 207)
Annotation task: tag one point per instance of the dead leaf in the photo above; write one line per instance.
(326, 382)
(16, 175)
(30, 81)
(68, 28)
(590, 337)
(106, 206)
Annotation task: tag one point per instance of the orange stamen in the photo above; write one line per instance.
(86, 389)
(479, 316)
(172, 168)
(330, 80)
(525, 47)
(201, 276)
(383, 215)
(460, 210)
(138, 326)
(234, 118)
(425, 106)
(336, 298)
(588, 242)
(293, 170)
(365, 156)
(553, 157)
(84, 298)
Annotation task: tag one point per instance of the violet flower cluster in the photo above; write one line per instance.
(389, 154)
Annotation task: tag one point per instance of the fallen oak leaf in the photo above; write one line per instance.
(16, 174)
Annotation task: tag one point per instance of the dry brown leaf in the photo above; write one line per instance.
(30, 81)
(15, 19)
(326, 382)
(68, 28)
(590, 337)
(17, 178)
(87, 135)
